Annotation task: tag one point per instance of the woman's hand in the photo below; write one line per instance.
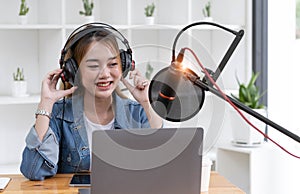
(49, 93)
(140, 92)
(139, 89)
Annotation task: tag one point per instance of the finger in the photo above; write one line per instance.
(137, 78)
(138, 72)
(132, 74)
(54, 77)
(145, 83)
(140, 81)
(142, 85)
(55, 72)
(127, 85)
(51, 74)
(69, 91)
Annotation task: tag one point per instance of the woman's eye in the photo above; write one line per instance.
(92, 66)
(113, 64)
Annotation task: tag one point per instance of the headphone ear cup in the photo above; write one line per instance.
(69, 70)
(126, 61)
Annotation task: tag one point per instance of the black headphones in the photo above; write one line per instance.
(70, 65)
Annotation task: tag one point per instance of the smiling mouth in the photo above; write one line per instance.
(103, 84)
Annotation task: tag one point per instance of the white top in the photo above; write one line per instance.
(91, 127)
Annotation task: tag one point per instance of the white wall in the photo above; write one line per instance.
(283, 88)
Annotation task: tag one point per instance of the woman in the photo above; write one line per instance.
(60, 142)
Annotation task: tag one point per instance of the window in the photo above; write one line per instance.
(260, 45)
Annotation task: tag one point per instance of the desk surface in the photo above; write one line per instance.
(60, 185)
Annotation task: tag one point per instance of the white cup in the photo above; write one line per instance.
(205, 174)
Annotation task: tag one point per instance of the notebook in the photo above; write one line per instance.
(146, 161)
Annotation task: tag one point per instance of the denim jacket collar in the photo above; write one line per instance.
(75, 113)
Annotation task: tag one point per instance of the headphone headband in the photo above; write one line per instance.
(85, 29)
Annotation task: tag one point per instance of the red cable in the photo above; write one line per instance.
(233, 105)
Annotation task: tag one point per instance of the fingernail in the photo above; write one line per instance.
(144, 83)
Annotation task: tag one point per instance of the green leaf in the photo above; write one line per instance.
(250, 95)
(243, 93)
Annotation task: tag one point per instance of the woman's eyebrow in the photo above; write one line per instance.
(92, 60)
(112, 58)
(97, 60)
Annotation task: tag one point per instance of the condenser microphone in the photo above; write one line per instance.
(172, 96)
(177, 94)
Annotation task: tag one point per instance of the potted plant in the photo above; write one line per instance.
(24, 9)
(19, 87)
(207, 11)
(243, 133)
(149, 71)
(88, 10)
(149, 11)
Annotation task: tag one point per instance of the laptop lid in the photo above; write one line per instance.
(135, 161)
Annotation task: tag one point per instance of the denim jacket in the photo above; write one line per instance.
(65, 147)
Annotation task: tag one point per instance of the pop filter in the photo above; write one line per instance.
(173, 97)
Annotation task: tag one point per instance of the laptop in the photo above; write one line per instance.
(146, 161)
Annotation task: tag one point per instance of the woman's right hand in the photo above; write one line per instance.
(49, 93)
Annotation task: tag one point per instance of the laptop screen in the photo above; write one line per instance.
(147, 161)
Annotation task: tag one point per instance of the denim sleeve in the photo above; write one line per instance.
(144, 120)
(40, 158)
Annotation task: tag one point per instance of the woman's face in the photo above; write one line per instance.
(100, 70)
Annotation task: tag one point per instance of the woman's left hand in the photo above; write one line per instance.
(139, 89)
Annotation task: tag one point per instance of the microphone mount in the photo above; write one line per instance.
(238, 36)
(196, 81)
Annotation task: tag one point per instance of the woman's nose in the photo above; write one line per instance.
(104, 72)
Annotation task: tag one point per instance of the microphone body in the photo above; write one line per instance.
(167, 93)
(168, 90)
(172, 96)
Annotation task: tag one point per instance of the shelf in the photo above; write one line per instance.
(30, 27)
(179, 27)
(9, 100)
(74, 26)
(153, 27)
(158, 27)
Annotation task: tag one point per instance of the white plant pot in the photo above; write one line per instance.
(22, 19)
(149, 20)
(19, 88)
(208, 19)
(89, 19)
(243, 134)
